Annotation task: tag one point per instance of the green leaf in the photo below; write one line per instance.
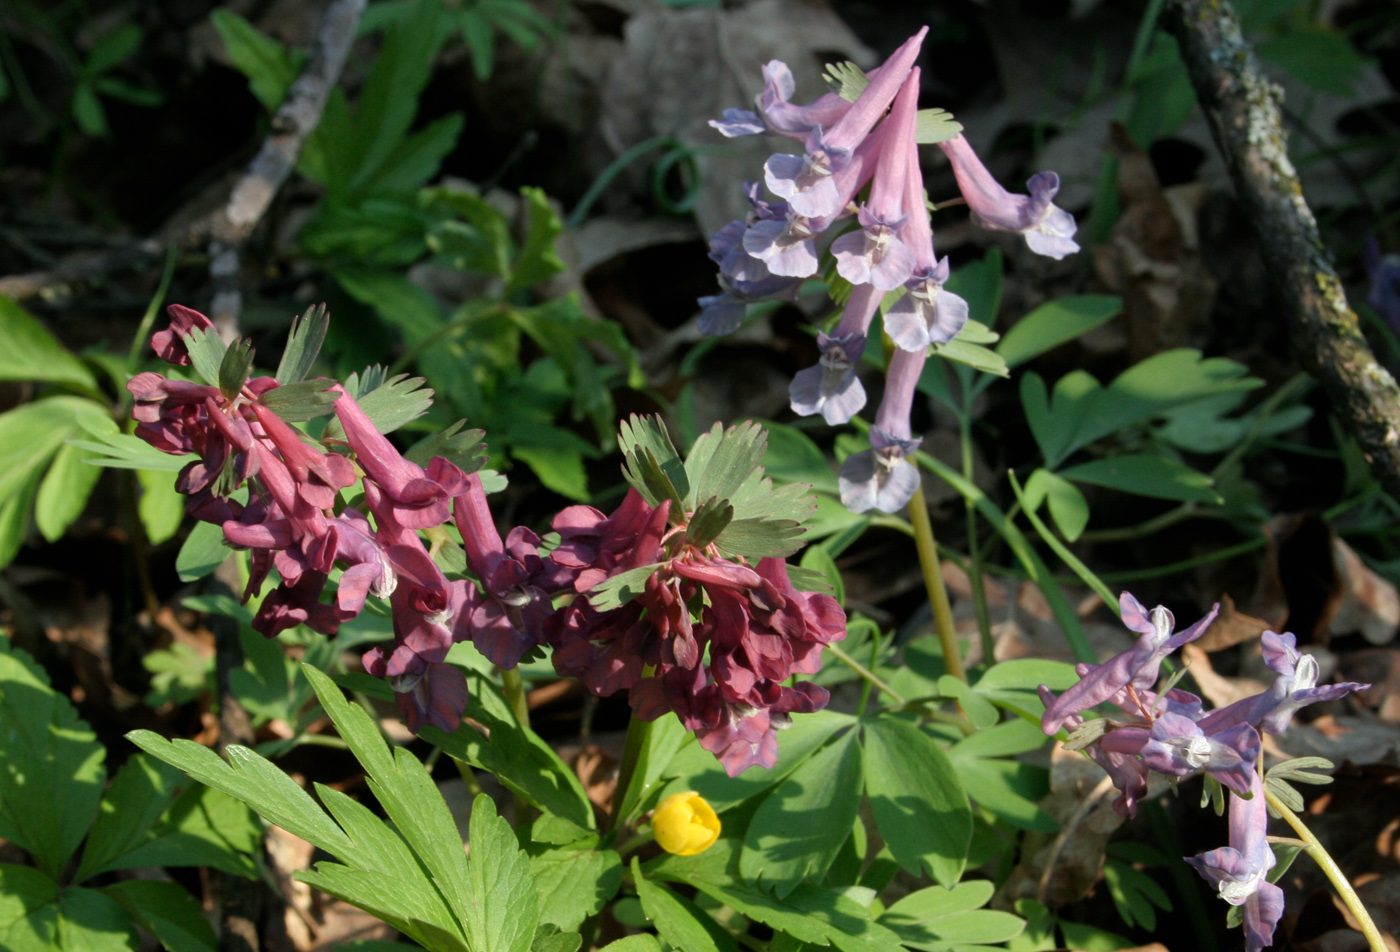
(515, 755)
(113, 49)
(139, 793)
(979, 710)
(559, 468)
(64, 492)
(51, 765)
(480, 40)
(90, 921)
(203, 827)
(1054, 323)
(417, 158)
(641, 942)
(1319, 55)
(301, 401)
(121, 450)
(819, 559)
(935, 125)
(537, 260)
(29, 352)
(653, 467)
(973, 355)
(695, 768)
(935, 918)
(678, 920)
(235, 368)
(167, 911)
(1068, 506)
(28, 909)
(400, 399)
(502, 902)
(550, 942)
(88, 111)
(846, 80)
(207, 352)
(574, 884)
(662, 739)
(202, 553)
(160, 507)
(1300, 770)
(919, 805)
(254, 780)
(800, 826)
(1134, 894)
(792, 457)
(120, 89)
(710, 519)
(304, 341)
(270, 67)
(1145, 475)
(621, 588)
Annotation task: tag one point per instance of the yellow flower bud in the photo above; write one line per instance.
(685, 824)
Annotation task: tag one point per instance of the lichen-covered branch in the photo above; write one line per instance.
(296, 119)
(1242, 107)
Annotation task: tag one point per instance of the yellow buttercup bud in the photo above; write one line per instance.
(685, 824)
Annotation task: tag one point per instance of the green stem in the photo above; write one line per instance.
(133, 356)
(870, 676)
(513, 687)
(1329, 866)
(1069, 558)
(638, 733)
(933, 582)
(874, 660)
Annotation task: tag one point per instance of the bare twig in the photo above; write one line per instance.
(1242, 107)
(295, 120)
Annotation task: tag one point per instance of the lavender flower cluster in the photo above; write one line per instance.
(847, 146)
(759, 631)
(1171, 734)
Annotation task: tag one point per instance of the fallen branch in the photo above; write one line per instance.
(1242, 107)
(295, 120)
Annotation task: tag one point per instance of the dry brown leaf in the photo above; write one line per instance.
(679, 69)
(1231, 627)
(1154, 258)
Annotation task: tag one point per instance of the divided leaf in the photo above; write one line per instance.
(303, 344)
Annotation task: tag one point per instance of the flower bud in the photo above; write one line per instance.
(685, 824)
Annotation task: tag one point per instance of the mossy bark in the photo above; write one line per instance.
(1242, 107)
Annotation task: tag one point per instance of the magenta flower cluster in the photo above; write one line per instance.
(848, 146)
(758, 630)
(1171, 734)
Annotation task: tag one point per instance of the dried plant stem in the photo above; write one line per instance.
(933, 581)
(1242, 107)
(1329, 866)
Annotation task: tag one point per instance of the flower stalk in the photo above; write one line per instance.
(1319, 853)
(933, 582)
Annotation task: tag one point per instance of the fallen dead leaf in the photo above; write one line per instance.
(1231, 627)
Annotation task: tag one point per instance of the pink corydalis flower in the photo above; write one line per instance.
(928, 313)
(419, 499)
(806, 180)
(169, 344)
(831, 388)
(1048, 229)
(876, 254)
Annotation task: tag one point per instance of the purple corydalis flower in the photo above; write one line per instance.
(1294, 688)
(806, 180)
(880, 477)
(1048, 229)
(1178, 747)
(1122, 675)
(831, 388)
(1239, 871)
(776, 113)
(928, 314)
(876, 254)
